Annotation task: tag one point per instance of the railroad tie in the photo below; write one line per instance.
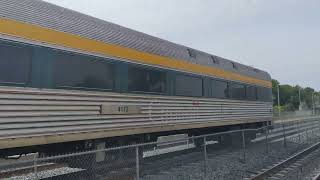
(274, 178)
(289, 169)
(279, 175)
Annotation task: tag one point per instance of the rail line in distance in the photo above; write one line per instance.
(280, 170)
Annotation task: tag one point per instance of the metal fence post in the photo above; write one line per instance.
(137, 164)
(314, 128)
(193, 140)
(267, 133)
(243, 146)
(307, 136)
(284, 134)
(318, 128)
(205, 155)
(35, 166)
(298, 130)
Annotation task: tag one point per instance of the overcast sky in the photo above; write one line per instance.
(279, 36)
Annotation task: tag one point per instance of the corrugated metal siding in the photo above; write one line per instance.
(50, 16)
(30, 112)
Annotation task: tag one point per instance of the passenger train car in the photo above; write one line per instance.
(69, 81)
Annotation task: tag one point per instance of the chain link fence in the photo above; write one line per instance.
(287, 115)
(234, 154)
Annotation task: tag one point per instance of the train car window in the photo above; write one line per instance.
(261, 94)
(269, 94)
(237, 91)
(264, 94)
(15, 63)
(189, 86)
(220, 89)
(146, 80)
(77, 71)
(251, 92)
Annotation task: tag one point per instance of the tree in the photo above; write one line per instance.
(289, 96)
(307, 96)
(275, 84)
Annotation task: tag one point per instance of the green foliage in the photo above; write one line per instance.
(289, 96)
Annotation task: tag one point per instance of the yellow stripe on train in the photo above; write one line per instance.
(45, 35)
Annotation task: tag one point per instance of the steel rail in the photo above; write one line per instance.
(317, 177)
(278, 167)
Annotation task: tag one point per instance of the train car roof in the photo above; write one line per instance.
(44, 14)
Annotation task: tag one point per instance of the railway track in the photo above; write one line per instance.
(48, 170)
(316, 177)
(28, 169)
(283, 169)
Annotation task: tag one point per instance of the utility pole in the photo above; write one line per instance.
(313, 105)
(278, 100)
(300, 107)
(279, 112)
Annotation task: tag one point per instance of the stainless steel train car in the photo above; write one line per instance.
(69, 81)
